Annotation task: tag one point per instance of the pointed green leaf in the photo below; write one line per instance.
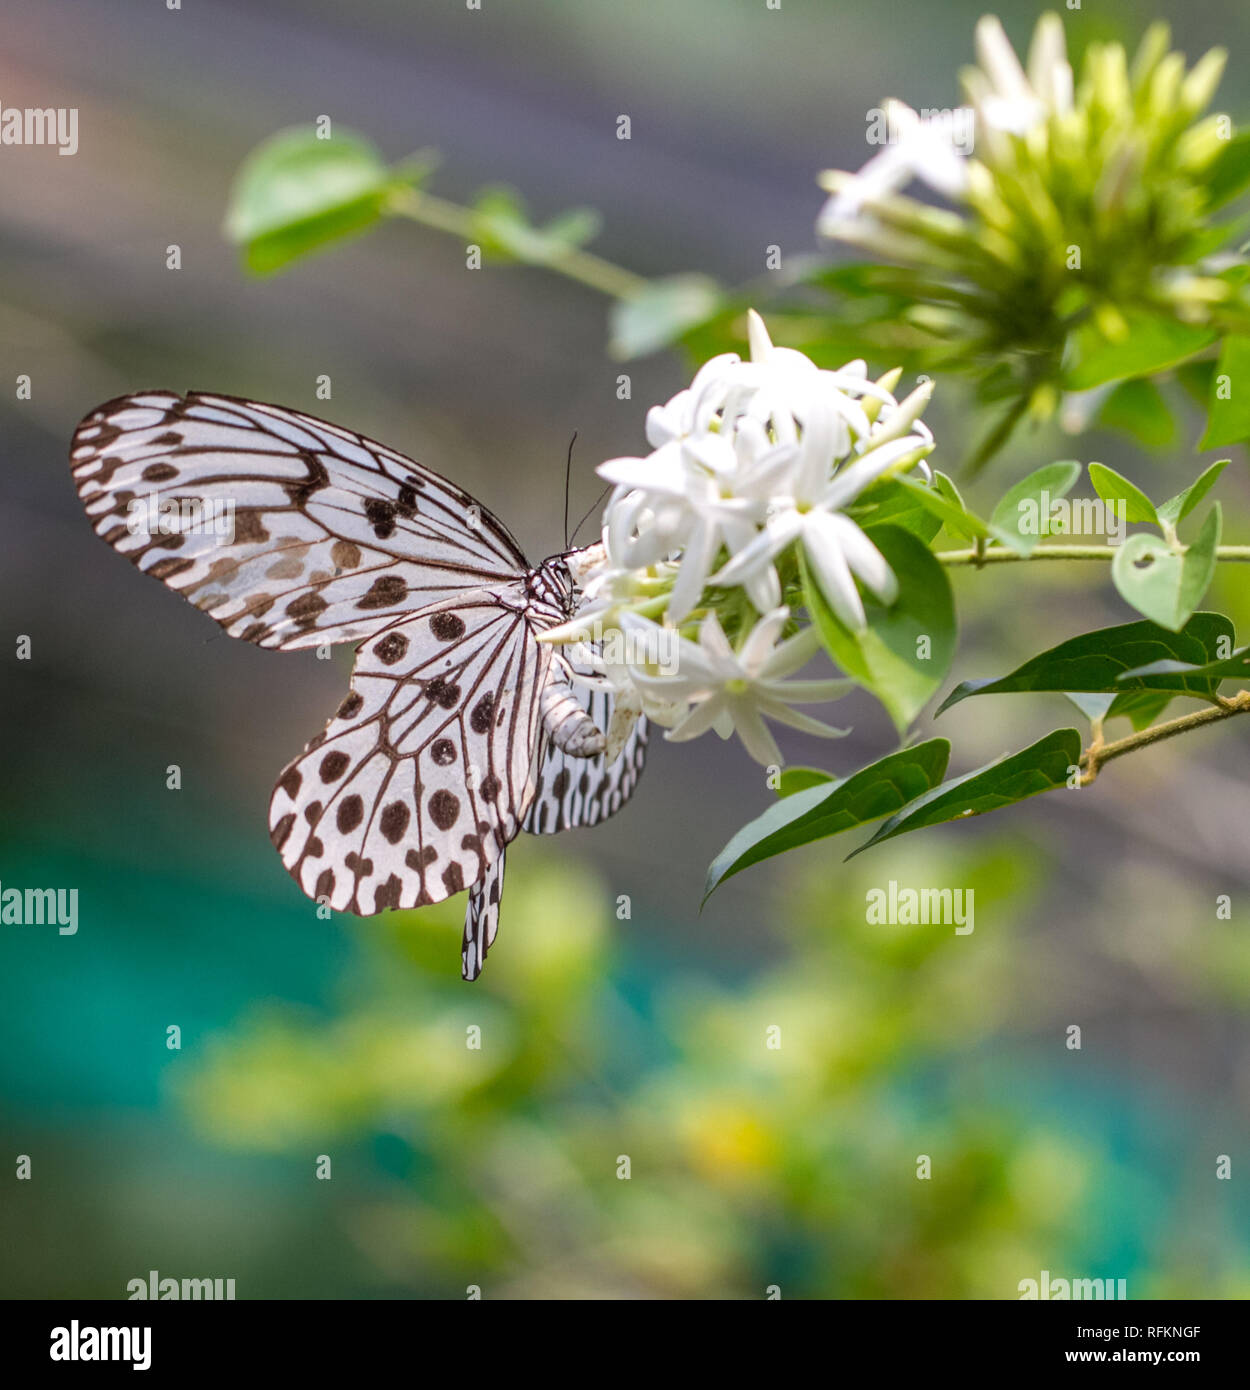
(1104, 660)
(906, 649)
(1042, 767)
(1022, 517)
(820, 811)
(1235, 666)
(1177, 508)
(1115, 489)
(963, 523)
(1228, 408)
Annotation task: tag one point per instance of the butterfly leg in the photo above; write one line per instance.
(481, 919)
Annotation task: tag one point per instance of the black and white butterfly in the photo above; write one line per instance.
(460, 728)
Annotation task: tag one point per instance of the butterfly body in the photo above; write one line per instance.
(461, 727)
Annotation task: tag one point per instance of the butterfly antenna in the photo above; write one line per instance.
(568, 473)
(586, 517)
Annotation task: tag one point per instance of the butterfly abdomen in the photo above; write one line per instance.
(570, 728)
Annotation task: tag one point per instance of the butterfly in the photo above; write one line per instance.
(460, 728)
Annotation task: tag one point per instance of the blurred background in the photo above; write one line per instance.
(600, 1037)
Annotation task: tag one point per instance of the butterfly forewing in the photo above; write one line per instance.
(289, 531)
(425, 772)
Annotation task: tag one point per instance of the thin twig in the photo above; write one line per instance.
(1099, 753)
(583, 266)
(1000, 555)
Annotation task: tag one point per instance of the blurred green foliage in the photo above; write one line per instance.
(751, 1165)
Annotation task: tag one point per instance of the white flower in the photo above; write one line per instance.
(810, 513)
(1006, 102)
(1007, 98)
(920, 148)
(716, 687)
(751, 459)
(746, 443)
(681, 497)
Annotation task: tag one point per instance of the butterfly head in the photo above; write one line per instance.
(552, 585)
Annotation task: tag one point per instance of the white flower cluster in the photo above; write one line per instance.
(1006, 100)
(752, 466)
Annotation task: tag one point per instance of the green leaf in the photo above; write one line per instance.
(295, 193)
(1140, 707)
(1195, 378)
(573, 227)
(820, 811)
(656, 317)
(890, 657)
(1235, 666)
(941, 503)
(1114, 488)
(1041, 767)
(503, 228)
(1137, 407)
(1159, 582)
(1228, 406)
(1102, 661)
(1177, 508)
(1022, 517)
(965, 523)
(1153, 344)
(895, 503)
(799, 779)
(1229, 174)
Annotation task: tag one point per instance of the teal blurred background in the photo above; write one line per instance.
(498, 1167)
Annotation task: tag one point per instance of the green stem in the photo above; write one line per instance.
(572, 262)
(1000, 555)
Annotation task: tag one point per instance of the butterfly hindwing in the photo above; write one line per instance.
(289, 531)
(427, 769)
(481, 920)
